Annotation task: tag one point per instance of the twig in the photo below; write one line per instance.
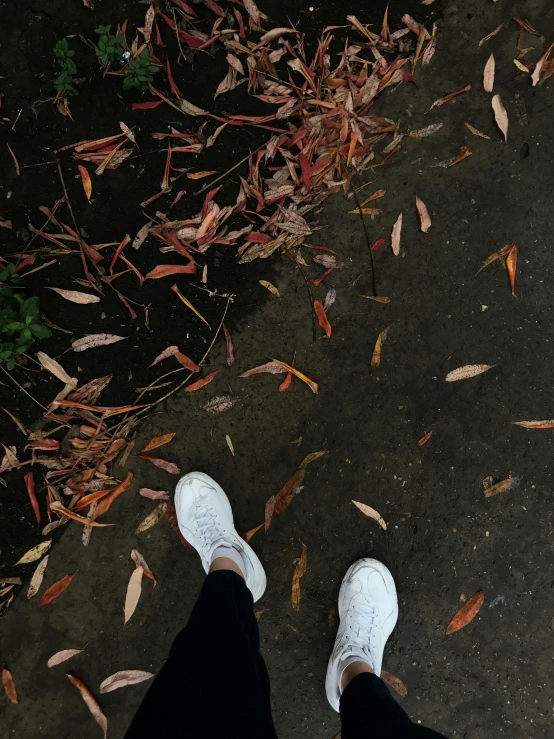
(221, 176)
(373, 278)
(68, 202)
(44, 408)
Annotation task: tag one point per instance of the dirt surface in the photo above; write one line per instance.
(445, 539)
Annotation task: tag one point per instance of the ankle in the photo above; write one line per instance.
(224, 563)
(352, 670)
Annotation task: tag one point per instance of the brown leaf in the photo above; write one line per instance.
(200, 175)
(272, 289)
(299, 571)
(94, 340)
(133, 592)
(425, 439)
(501, 487)
(496, 255)
(158, 441)
(371, 512)
(395, 235)
(469, 370)
(139, 561)
(166, 270)
(476, 131)
(270, 368)
(500, 116)
(123, 678)
(60, 508)
(283, 498)
(35, 553)
(36, 579)
(449, 97)
(85, 179)
(75, 296)
(229, 348)
(163, 464)
(322, 317)
(511, 265)
(467, 613)
(536, 76)
(488, 74)
(59, 657)
(30, 485)
(91, 703)
(16, 163)
(422, 133)
(56, 590)
(376, 298)
(169, 352)
(490, 35)
(376, 357)
(310, 383)
(152, 518)
(464, 153)
(535, 424)
(395, 683)
(9, 685)
(423, 213)
(201, 383)
(154, 494)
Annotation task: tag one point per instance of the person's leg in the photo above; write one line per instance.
(214, 683)
(368, 610)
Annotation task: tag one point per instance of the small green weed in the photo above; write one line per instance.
(19, 325)
(139, 72)
(109, 47)
(64, 81)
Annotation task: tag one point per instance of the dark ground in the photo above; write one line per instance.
(444, 538)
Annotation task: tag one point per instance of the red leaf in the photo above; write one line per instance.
(425, 439)
(467, 613)
(147, 106)
(378, 243)
(55, 590)
(322, 317)
(201, 383)
(288, 379)
(30, 485)
(91, 703)
(186, 362)
(306, 171)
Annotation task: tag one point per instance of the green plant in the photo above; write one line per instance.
(64, 81)
(139, 72)
(109, 47)
(18, 318)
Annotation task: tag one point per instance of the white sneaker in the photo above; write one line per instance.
(368, 609)
(206, 521)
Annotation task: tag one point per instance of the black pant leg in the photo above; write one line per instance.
(214, 683)
(368, 711)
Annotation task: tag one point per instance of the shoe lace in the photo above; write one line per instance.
(359, 627)
(208, 527)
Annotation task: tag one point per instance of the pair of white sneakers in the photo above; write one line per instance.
(368, 606)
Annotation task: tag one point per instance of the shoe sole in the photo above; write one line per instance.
(258, 572)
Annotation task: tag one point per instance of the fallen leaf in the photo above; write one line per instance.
(463, 154)
(278, 503)
(299, 571)
(535, 77)
(425, 439)
(476, 131)
(449, 97)
(133, 593)
(85, 179)
(395, 235)
(230, 444)
(250, 534)
(166, 270)
(488, 74)
(322, 317)
(511, 265)
(422, 133)
(469, 370)
(535, 424)
(272, 289)
(201, 383)
(374, 196)
(467, 613)
(163, 464)
(186, 362)
(270, 368)
(123, 678)
(152, 518)
(495, 255)
(141, 235)
(60, 508)
(139, 561)
(376, 356)
(59, 657)
(76, 297)
(502, 487)
(30, 485)
(423, 213)
(93, 340)
(16, 420)
(104, 504)
(158, 441)
(392, 681)
(500, 116)
(56, 590)
(521, 66)
(200, 175)
(10, 460)
(169, 352)
(371, 512)
(154, 494)
(35, 553)
(310, 383)
(55, 368)
(91, 703)
(36, 579)
(376, 298)
(288, 379)
(490, 35)
(188, 304)
(9, 685)
(220, 404)
(16, 163)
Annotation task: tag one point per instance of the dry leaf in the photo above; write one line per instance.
(371, 512)
(199, 384)
(500, 116)
(449, 97)
(469, 370)
(269, 368)
(422, 133)
(201, 175)
(157, 441)
(392, 681)
(36, 579)
(310, 383)
(250, 534)
(154, 494)
(490, 35)
(521, 66)
(9, 685)
(423, 213)
(62, 656)
(30, 486)
(55, 368)
(272, 289)
(467, 613)
(476, 131)
(230, 444)
(91, 703)
(495, 255)
(85, 179)
(277, 503)
(188, 304)
(76, 297)
(376, 356)
(425, 439)
(187, 362)
(511, 266)
(299, 570)
(502, 487)
(93, 340)
(56, 590)
(395, 235)
(133, 592)
(488, 74)
(189, 108)
(163, 464)
(35, 553)
(322, 317)
(169, 352)
(535, 77)
(139, 561)
(463, 154)
(141, 235)
(123, 678)
(152, 518)
(166, 270)
(535, 424)
(376, 298)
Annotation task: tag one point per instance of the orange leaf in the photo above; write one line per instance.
(9, 685)
(201, 383)
(288, 379)
(464, 153)
(85, 179)
(322, 317)
(425, 439)
(55, 590)
(188, 303)
(186, 362)
(449, 97)
(467, 613)
(59, 508)
(88, 499)
(511, 264)
(115, 493)
(30, 485)
(493, 257)
(250, 534)
(277, 503)
(395, 683)
(157, 441)
(91, 703)
(310, 383)
(376, 358)
(165, 270)
(535, 424)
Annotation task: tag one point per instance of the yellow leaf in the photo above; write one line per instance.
(476, 131)
(299, 570)
(35, 553)
(272, 289)
(188, 304)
